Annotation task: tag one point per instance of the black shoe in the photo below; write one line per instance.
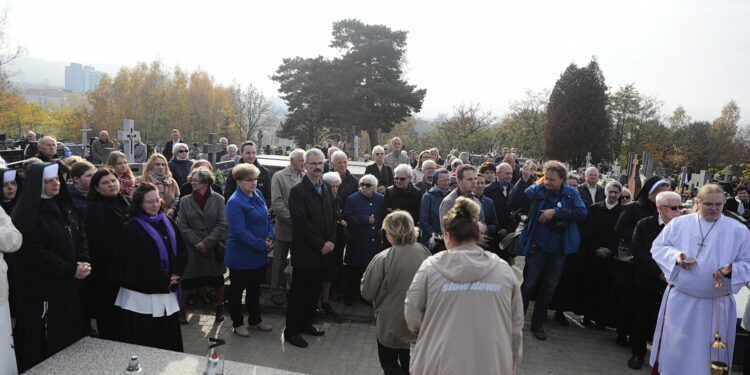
(296, 340)
(635, 362)
(538, 331)
(326, 306)
(560, 319)
(622, 340)
(313, 331)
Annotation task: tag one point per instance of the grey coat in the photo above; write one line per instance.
(208, 226)
(97, 150)
(281, 183)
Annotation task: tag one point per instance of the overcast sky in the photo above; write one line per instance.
(693, 53)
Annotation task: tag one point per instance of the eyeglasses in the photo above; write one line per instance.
(182, 151)
(250, 179)
(400, 178)
(673, 208)
(365, 185)
(379, 154)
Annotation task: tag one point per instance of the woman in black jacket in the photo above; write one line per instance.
(147, 266)
(49, 266)
(624, 273)
(104, 219)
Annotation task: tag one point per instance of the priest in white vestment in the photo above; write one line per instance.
(694, 252)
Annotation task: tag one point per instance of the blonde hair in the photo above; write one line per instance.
(710, 189)
(150, 162)
(399, 225)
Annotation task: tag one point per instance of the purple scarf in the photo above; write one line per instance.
(146, 222)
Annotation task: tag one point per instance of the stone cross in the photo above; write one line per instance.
(588, 160)
(128, 135)
(356, 147)
(211, 148)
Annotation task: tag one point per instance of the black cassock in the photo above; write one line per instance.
(600, 232)
(48, 303)
(136, 266)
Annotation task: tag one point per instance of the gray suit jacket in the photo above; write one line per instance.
(281, 183)
(208, 226)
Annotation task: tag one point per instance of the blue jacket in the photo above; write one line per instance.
(366, 238)
(572, 210)
(429, 214)
(490, 216)
(249, 226)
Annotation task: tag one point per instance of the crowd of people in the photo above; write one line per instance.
(428, 242)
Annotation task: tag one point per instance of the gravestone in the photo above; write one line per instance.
(588, 160)
(211, 148)
(128, 135)
(356, 147)
(647, 164)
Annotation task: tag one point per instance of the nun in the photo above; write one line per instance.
(49, 268)
(10, 189)
(147, 265)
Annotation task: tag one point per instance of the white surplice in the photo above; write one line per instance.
(691, 304)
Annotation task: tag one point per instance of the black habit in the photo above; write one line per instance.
(600, 232)
(48, 303)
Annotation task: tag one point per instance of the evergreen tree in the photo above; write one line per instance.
(577, 119)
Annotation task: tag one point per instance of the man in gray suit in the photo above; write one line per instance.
(281, 183)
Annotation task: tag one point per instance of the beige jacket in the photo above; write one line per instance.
(281, 184)
(385, 282)
(10, 241)
(465, 307)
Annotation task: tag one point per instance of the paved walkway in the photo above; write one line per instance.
(349, 345)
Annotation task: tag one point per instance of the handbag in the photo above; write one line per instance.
(509, 244)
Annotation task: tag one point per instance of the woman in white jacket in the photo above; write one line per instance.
(10, 241)
(465, 305)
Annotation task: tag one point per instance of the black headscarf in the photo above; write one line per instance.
(27, 205)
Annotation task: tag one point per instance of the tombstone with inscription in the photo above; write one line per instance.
(127, 136)
(647, 164)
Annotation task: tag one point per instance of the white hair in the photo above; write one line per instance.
(233, 147)
(369, 178)
(464, 156)
(313, 152)
(297, 153)
(176, 145)
(402, 168)
(591, 169)
(338, 154)
(503, 166)
(428, 162)
(396, 139)
(376, 148)
(331, 150)
(223, 139)
(456, 163)
(663, 198)
(332, 178)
